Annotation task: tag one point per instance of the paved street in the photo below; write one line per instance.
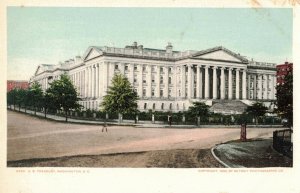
(30, 137)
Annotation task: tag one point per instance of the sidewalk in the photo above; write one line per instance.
(254, 153)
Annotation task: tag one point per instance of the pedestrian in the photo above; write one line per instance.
(170, 120)
(104, 127)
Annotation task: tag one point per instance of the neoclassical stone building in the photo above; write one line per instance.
(166, 80)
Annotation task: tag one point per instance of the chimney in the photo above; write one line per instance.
(78, 59)
(134, 45)
(140, 47)
(169, 48)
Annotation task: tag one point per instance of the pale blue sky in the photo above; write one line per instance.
(49, 35)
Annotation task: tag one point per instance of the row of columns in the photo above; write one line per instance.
(258, 86)
(199, 84)
(92, 84)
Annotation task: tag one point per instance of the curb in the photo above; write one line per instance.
(217, 158)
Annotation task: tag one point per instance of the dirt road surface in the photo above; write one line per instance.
(29, 137)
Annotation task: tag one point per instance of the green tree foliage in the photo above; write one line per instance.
(198, 109)
(62, 95)
(284, 100)
(12, 97)
(257, 110)
(120, 98)
(21, 97)
(35, 96)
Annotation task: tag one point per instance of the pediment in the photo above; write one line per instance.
(92, 53)
(220, 54)
(38, 70)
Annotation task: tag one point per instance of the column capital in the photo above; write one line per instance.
(206, 67)
(230, 68)
(214, 67)
(237, 69)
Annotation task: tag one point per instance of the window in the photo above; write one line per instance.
(144, 80)
(152, 69)
(144, 68)
(135, 67)
(162, 106)
(170, 91)
(116, 67)
(170, 70)
(170, 106)
(161, 69)
(135, 79)
(145, 105)
(161, 93)
(126, 67)
(179, 93)
(161, 79)
(152, 92)
(153, 106)
(144, 92)
(153, 79)
(177, 107)
(170, 80)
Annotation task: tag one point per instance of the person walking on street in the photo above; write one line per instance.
(104, 127)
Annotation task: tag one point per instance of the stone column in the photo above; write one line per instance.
(157, 81)
(244, 93)
(259, 96)
(88, 82)
(190, 82)
(131, 73)
(183, 81)
(199, 83)
(249, 86)
(254, 87)
(97, 81)
(215, 82)
(111, 72)
(229, 83)
(140, 80)
(148, 81)
(206, 83)
(93, 81)
(222, 90)
(237, 84)
(105, 77)
(274, 87)
(166, 82)
(122, 68)
(265, 86)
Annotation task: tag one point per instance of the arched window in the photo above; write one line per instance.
(162, 106)
(145, 105)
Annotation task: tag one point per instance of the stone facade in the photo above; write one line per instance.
(165, 80)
